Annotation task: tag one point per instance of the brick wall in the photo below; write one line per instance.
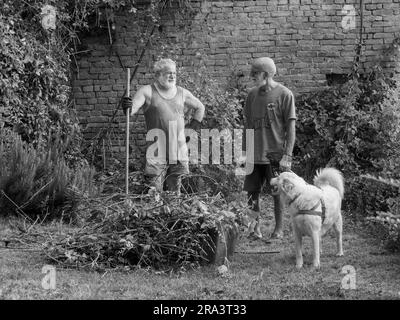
(306, 39)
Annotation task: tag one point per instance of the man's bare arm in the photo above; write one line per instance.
(139, 99)
(193, 103)
(290, 137)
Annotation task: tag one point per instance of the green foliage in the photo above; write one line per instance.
(391, 225)
(367, 195)
(352, 126)
(38, 182)
(389, 133)
(223, 111)
(223, 108)
(378, 201)
(34, 84)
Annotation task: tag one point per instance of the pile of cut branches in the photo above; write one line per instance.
(157, 230)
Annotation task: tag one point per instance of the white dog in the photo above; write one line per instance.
(314, 208)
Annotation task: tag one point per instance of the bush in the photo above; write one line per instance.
(223, 108)
(223, 111)
(378, 201)
(352, 126)
(388, 162)
(34, 85)
(391, 226)
(38, 182)
(367, 195)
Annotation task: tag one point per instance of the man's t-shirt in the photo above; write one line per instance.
(268, 113)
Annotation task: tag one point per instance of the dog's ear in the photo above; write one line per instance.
(287, 186)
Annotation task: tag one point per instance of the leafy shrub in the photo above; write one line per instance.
(376, 200)
(367, 195)
(34, 84)
(38, 182)
(223, 110)
(388, 161)
(352, 126)
(391, 225)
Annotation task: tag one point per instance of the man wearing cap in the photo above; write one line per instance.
(270, 112)
(164, 106)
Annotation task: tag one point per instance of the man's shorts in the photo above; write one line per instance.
(163, 169)
(262, 173)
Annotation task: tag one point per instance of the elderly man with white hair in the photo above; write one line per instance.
(270, 112)
(164, 106)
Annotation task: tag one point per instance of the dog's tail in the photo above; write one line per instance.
(332, 177)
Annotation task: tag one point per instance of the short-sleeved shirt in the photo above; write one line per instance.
(269, 113)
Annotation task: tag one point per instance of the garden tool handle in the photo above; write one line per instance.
(127, 133)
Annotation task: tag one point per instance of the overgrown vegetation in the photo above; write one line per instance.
(37, 182)
(223, 114)
(166, 232)
(34, 77)
(352, 126)
(376, 200)
(43, 173)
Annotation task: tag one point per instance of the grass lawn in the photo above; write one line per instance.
(251, 275)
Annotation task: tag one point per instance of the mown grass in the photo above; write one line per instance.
(251, 275)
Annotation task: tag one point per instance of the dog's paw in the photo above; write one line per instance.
(299, 266)
(316, 267)
(339, 254)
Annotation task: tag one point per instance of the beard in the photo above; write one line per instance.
(168, 84)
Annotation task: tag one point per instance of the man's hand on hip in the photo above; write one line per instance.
(194, 125)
